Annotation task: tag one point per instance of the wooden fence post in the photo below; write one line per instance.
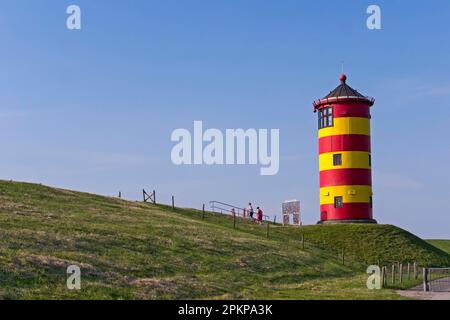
(234, 220)
(143, 195)
(120, 195)
(268, 229)
(386, 280)
(173, 203)
(409, 271)
(401, 273)
(393, 274)
(154, 197)
(203, 212)
(275, 220)
(426, 286)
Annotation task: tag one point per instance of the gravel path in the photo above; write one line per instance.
(421, 295)
(418, 293)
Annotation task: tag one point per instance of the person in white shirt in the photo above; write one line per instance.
(250, 210)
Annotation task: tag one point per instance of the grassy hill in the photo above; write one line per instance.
(444, 245)
(377, 244)
(130, 250)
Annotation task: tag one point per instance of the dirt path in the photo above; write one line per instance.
(441, 287)
(421, 295)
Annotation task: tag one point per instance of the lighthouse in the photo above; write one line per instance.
(345, 159)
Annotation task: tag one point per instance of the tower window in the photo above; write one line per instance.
(338, 202)
(337, 159)
(326, 117)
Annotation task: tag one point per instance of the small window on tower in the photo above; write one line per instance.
(330, 116)
(338, 202)
(337, 159)
(326, 117)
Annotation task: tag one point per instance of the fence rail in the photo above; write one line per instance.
(399, 275)
(149, 196)
(436, 279)
(225, 208)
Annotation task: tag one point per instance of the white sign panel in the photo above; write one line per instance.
(291, 207)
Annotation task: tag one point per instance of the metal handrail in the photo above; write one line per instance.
(230, 207)
(222, 210)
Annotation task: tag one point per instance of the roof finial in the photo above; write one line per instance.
(343, 77)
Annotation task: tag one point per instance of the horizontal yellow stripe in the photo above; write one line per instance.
(350, 160)
(347, 125)
(350, 194)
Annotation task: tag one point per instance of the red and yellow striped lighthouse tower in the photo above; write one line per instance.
(345, 156)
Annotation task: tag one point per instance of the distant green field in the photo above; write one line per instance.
(131, 250)
(444, 245)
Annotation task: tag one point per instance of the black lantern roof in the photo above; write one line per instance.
(343, 93)
(344, 90)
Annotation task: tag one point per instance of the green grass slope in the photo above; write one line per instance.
(377, 244)
(444, 245)
(130, 250)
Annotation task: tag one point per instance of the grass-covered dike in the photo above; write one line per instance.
(131, 250)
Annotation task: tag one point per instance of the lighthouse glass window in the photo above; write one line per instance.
(338, 202)
(326, 117)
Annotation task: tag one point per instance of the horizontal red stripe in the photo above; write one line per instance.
(343, 177)
(350, 109)
(348, 212)
(345, 142)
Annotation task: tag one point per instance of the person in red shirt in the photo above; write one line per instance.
(259, 215)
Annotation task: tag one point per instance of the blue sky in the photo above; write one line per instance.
(94, 109)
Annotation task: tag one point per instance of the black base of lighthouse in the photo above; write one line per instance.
(350, 221)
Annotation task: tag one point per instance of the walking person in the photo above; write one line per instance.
(259, 215)
(250, 211)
